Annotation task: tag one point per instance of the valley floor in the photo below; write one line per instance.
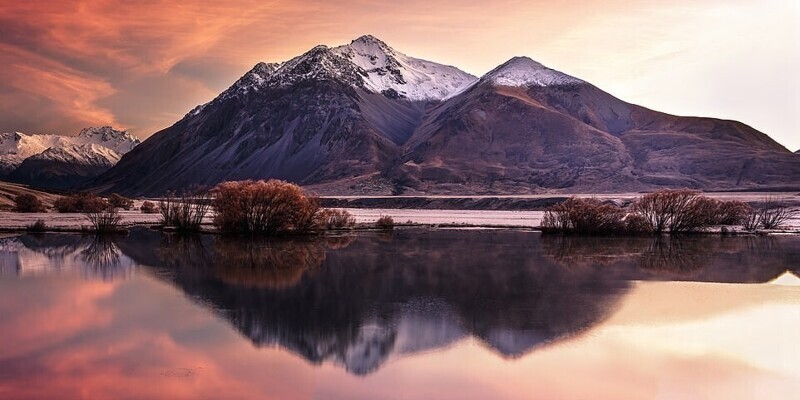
(448, 218)
(492, 211)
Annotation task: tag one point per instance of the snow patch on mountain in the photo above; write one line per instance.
(525, 72)
(86, 154)
(366, 63)
(389, 71)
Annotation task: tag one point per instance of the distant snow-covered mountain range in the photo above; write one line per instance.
(59, 161)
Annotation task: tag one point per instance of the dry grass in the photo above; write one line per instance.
(9, 191)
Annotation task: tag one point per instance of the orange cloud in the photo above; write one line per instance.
(636, 50)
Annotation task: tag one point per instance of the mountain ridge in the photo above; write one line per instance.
(59, 161)
(364, 118)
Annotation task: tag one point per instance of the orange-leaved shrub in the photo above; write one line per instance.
(263, 208)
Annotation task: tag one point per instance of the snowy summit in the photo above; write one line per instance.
(366, 63)
(390, 71)
(87, 147)
(523, 71)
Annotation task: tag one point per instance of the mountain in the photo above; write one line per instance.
(364, 118)
(526, 126)
(60, 162)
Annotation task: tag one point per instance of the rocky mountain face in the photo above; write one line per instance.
(62, 162)
(366, 119)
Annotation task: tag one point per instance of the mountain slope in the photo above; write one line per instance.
(66, 166)
(526, 127)
(366, 119)
(316, 118)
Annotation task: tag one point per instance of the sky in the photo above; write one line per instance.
(142, 65)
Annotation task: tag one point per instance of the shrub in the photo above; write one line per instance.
(308, 214)
(118, 201)
(773, 212)
(263, 208)
(186, 211)
(28, 203)
(732, 212)
(751, 220)
(332, 218)
(636, 224)
(38, 226)
(685, 210)
(106, 220)
(148, 207)
(80, 203)
(584, 217)
(385, 222)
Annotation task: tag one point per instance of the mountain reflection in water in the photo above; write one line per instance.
(361, 300)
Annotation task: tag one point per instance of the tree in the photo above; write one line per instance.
(263, 207)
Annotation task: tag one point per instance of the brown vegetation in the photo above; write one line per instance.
(385, 222)
(28, 203)
(148, 207)
(106, 220)
(590, 217)
(38, 226)
(685, 210)
(674, 211)
(332, 218)
(121, 202)
(770, 213)
(80, 203)
(264, 208)
(185, 212)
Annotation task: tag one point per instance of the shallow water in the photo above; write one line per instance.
(428, 314)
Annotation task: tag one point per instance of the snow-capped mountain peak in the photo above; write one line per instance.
(105, 136)
(395, 74)
(85, 154)
(523, 71)
(104, 142)
(366, 63)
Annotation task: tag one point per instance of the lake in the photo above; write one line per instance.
(409, 314)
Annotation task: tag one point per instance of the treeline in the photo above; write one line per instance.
(673, 211)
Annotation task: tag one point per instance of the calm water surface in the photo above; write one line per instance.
(414, 314)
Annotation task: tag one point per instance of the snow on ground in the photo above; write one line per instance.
(10, 220)
(467, 217)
